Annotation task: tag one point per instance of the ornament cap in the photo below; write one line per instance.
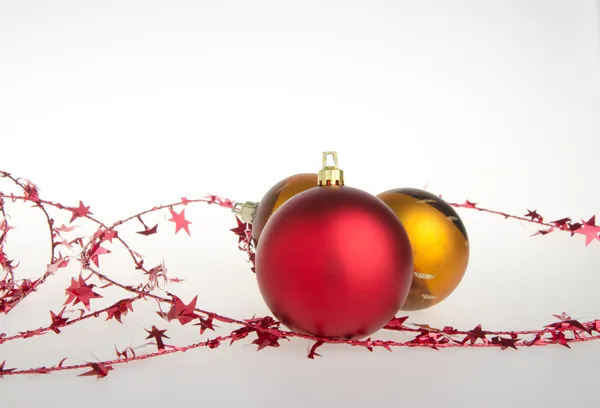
(245, 211)
(330, 175)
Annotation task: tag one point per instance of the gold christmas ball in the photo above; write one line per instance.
(276, 196)
(439, 242)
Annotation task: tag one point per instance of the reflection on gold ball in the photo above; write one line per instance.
(439, 241)
(276, 196)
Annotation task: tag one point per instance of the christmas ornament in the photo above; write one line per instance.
(334, 261)
(84, 301)
(439, 241)
(259, 213)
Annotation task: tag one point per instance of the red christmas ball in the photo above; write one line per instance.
(334, 261)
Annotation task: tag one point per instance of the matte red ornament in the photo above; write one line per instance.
(334, 261)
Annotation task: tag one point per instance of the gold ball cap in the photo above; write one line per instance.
(330, 175)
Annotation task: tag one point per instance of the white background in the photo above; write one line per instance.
(126, 104)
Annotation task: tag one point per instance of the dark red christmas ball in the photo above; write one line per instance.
(334, 261)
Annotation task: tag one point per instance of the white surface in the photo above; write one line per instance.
(126, 104)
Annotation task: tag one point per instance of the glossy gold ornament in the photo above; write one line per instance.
(439, 241)
(276, 196)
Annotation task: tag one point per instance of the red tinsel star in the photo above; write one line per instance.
(97, 252)
(562, 224)
(157, 335)
(562, 317)
(543, 232)
(574, 227)
(120, 309)
(58, 320)
(476, 334)
(265, 322)
(431, 339)
(384, 344)
(397, 323)
(240, 230)
(125, 353)
(241, 333)
(64, 228)
(100, 370)
(4, 261)
(534, 215)
(213, 344)
(449, 330)
(368, 344)
(469, 204)
(180, 311)
(109, 235)
(590, 230)
(560, 338)
(568, 323)
(63, 262)
(51, 269)
(149, 231)
(265, 339)
(31, 191)
(505, 343)
(205, 324)
(180, 221)
(80, 211)
(313, 350)
(80, 292)
(5, 370)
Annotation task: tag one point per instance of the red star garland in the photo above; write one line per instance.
(265, 331)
